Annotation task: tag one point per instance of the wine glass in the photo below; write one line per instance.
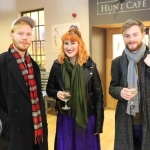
(133, 91)
(67, 96)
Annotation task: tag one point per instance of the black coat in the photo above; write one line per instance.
(94, 94)
(123, 121)
(15, 107)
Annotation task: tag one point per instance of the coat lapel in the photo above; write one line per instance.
(124, 66)
(88, 74)
(37, 77)
(58, 74)
(13, 66)
(88, 70)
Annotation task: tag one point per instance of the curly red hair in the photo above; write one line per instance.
(74, 35)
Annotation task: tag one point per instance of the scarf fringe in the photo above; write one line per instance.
(38, 139)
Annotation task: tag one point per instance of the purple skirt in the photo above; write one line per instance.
(68, 139)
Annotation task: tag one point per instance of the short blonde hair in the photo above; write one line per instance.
(18, 25)
(131, 22)
(74, 35)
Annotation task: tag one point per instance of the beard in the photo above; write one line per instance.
(134, 48)
(20, 47)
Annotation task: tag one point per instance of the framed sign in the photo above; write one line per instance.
(113, 6)
(57, 31)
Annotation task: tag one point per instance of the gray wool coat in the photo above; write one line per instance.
(15, 107)
(123, 121)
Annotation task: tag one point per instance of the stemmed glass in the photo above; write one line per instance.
(67, 96)
(133, 91)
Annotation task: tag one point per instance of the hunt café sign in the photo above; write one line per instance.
(109, 7)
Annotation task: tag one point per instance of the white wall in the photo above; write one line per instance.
(56, 12)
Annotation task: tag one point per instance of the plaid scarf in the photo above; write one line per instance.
(26, 68)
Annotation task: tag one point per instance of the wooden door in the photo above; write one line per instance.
(110, 102)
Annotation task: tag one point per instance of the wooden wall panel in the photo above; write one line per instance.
(110, 102)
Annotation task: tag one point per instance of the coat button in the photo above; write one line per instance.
(13, 91)
(16, 112)
(18, 129)
(148, 70)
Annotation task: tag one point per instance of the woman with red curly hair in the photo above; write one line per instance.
(79, 125)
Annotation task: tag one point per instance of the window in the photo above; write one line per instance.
(37, 47)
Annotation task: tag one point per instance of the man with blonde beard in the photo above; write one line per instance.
(22, 111)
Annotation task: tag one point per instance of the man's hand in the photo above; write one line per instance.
(127, 94)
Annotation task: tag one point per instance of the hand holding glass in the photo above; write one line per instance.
(67, 96)
(133, 91)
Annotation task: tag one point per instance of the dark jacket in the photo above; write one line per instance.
(123, 121)
(94, 94)
(15, 107)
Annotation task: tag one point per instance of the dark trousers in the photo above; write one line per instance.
(137, 137)
(4, 144)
